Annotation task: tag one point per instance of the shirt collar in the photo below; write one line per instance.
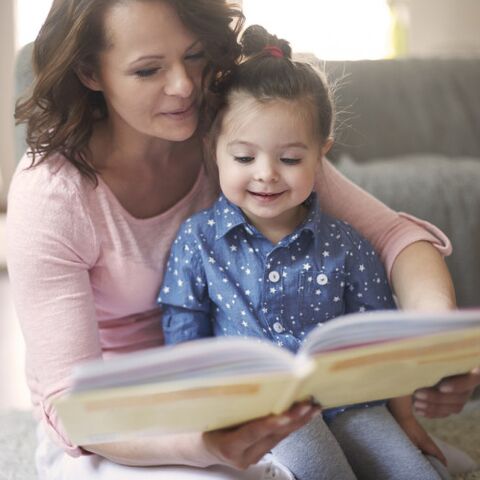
(229, 216)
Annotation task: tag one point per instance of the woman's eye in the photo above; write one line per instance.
(195, 56)
(245, 159)
(291, 161)
(146, 72)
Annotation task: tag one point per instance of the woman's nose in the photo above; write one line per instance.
(179, 82)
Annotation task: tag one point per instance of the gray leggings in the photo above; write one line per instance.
(363, 444)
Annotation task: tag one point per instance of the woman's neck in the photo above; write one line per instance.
(124, 149)
(148, 176)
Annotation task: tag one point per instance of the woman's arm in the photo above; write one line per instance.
(412, 252)
(421, 280)
(237, 447)
(51, 248)
(388, 231)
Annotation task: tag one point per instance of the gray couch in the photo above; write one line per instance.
(408, 131)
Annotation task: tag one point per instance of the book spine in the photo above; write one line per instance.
(303, 367)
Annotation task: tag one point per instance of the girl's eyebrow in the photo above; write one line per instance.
(160, 57)
(241, 142)
(295, 145)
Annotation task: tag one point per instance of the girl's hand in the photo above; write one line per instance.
(447, 397)
(420, 438)
(245, 445)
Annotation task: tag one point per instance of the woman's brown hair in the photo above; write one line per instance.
(60, 111)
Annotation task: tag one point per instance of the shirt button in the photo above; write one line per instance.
(322, 279)
(278, 327)
(274, 276)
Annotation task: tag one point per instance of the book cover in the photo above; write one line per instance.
(219, 382)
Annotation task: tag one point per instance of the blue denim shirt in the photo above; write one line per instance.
(224, 277)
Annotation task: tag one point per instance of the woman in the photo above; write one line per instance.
(113, 123)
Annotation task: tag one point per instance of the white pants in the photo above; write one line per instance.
(54, 464)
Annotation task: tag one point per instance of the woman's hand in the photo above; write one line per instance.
(245, 445)
(447, 397)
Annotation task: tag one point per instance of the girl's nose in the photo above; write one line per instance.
(266, 171)
(178, 82)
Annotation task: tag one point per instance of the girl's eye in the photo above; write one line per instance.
(244, 159)
(290, 161)
(195, 56)
(146, 72)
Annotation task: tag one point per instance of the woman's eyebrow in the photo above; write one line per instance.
(160, 57)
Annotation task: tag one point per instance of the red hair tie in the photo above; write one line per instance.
(274, 51)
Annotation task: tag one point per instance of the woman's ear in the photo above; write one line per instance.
(89, 78)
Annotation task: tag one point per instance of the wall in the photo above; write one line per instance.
(7, 49)
(447, 28)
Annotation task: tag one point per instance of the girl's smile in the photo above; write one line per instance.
(268, 166)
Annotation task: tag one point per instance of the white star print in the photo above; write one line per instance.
(211, 223)
(233, 248)
(166, 289)
(307, 266)
(361, 268)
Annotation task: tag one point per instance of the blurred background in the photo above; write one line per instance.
(332, 30)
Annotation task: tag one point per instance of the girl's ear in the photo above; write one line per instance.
(327, 146)
(89, 78)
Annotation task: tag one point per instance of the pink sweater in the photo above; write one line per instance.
(85, 272)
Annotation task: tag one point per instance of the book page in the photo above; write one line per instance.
(383, 326)
(201, 359)
(390, 369)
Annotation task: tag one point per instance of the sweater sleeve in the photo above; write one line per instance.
(51, 246)
(388, 231)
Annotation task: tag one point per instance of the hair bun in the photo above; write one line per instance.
(255, 38)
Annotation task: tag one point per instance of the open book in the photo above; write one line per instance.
(218, 382)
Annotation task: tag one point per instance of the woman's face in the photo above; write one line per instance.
(150, 71)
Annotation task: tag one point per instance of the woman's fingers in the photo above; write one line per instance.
(244, 445)
(447, 397)
(299, 417)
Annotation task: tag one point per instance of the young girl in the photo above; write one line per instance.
(264, 261)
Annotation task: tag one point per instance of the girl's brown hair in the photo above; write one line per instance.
(60, 111)
(268, 72)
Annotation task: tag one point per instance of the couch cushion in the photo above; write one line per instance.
(444, 191)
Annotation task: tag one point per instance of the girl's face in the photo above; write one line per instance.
(150, 72)
(267, 157)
